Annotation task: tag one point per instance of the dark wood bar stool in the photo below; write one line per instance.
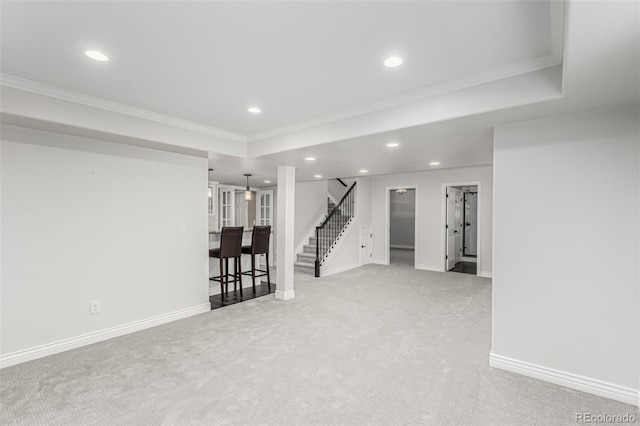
(259, 245)
(230, 247)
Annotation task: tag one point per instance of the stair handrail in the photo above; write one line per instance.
(335, 226)
(344, 197)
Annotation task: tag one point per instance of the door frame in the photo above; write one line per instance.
(387, 213)
(443, 230)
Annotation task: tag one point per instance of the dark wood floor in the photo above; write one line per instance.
(465, 268)
(233, 297)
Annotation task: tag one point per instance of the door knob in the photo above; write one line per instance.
(362, 246)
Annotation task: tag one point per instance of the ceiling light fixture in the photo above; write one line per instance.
(267, 181)
(96, 56)
(247, 192)
(310, 158)
(393, 62)
(434, 163)
(254, 110)
(401, 191)
(392, 144)
(317, 176)
(364, 171)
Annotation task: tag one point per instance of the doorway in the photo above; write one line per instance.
(461, 228)
(402, 226)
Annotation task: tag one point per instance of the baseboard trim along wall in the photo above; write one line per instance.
(285, 295)
(562, 378)
(401, 247)
(485, 274)
(98, 336)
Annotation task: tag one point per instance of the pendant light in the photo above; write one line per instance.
(247, 192)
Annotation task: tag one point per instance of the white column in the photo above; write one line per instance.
(285, 221)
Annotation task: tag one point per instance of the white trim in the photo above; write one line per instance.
(563, 378)
(98, 336)
(96, 102)
(434, 268)
(387, 213)
(485, 274)
(469, 259)
(379, 262)
(285, 295)
(332, 271)
(402, 247)
(443, 215)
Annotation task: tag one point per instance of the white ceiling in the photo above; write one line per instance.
(315, 68)
(207, 62)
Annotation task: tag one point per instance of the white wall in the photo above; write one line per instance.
(566, 214)
(84, 219)
(402, 219)
(311, 203)
(429, 249)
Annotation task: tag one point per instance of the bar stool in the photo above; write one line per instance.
(230, 247)
(259, 245)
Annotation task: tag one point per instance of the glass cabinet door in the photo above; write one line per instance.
(264, 207)
(226, 197)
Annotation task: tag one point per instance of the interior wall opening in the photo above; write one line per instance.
(402, 226)
(462, 229)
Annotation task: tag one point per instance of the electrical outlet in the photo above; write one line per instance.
(94, 307)
(182, 228)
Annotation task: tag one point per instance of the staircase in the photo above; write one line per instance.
(305, 261)
(327, 234)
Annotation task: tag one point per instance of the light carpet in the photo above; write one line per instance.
(376, 345)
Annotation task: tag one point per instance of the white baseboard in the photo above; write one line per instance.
(332, 271)
(563, 378)
(98, 336)
(402, 247)
(433, 268)
(379, 262)
(485, 274)
(469, 259)
(285, 295)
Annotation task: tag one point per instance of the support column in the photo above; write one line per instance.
(285, 243)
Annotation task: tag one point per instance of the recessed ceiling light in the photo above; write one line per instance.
(97, 56)
(392, 144)
(254, 110)
(393, 62)
(364, 171)
(310, 158)
(267, 181)
(434, 163)
(317, 176)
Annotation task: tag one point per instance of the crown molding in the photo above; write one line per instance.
(513, 70)
(100, 103)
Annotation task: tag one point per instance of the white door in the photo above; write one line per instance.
(454, 227)
(366, 245)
